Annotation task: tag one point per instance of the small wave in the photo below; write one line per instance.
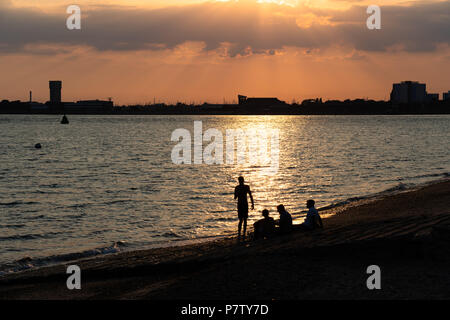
(79, 205)
(401, 187)
(29, 262)
(97, 232)
(169, 234)
(433, 175)
(19, 237)
(41, 216)
(197, 198)
(222, 219)
(118, 201)
(53, 185)
(31, 236)
(75, 216)
(25, 260)
(333, 205)
(16, 203)
(13, 226)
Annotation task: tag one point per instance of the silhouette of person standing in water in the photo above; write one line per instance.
(240, 193)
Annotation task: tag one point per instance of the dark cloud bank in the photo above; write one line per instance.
(419, 27)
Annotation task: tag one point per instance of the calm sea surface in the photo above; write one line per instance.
(108, 182)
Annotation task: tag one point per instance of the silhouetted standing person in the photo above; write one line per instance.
(240, 193)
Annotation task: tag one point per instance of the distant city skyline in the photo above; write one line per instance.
(211, 51)
(406, 91)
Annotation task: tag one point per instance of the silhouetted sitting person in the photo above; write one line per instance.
(312, 220)
(264, 227)
(285, 221)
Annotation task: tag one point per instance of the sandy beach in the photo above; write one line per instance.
(406, 234)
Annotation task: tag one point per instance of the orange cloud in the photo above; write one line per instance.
(216, 50)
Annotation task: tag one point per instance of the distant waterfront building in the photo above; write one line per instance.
(309, 102)
(38, 107)
(259, 102)
(89, 106)
(409, 92)
(212, 106)
(55, 92)
(432, 97)
(446, 95)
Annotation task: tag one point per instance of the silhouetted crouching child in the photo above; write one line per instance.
(285, 221)
(264, 228)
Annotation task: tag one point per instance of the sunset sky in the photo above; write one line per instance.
(194, 51)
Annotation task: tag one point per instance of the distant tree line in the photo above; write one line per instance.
(307, 107)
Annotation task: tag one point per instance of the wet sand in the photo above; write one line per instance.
(407, 235)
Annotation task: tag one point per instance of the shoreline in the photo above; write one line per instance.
(26, 264)
(407, 232)
(368, 108)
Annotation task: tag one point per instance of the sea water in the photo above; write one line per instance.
(105, 183)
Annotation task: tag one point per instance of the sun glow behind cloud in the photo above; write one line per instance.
(211, 50)
(330, 4)
(291, 3)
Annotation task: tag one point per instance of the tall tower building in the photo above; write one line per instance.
(55, 92)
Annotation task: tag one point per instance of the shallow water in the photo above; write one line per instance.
(104, 179)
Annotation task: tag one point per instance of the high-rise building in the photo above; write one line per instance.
(55, 92)
(409, 92)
